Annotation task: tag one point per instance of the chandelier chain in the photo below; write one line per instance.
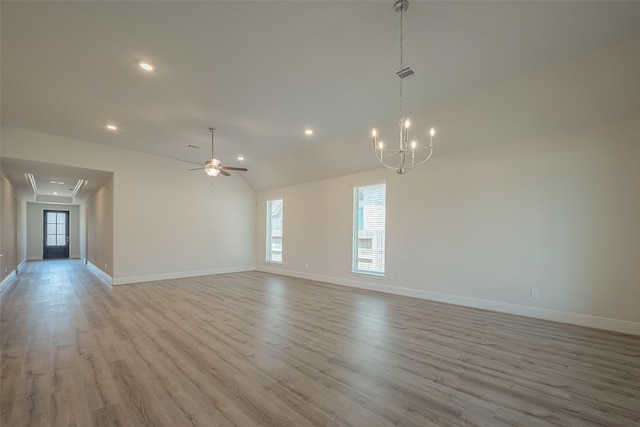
(401, 64)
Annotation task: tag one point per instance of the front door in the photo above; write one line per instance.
(56, 234)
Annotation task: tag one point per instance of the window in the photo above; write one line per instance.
(274, 230)
(368, 228)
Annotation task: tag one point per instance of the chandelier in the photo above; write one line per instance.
(410, 153)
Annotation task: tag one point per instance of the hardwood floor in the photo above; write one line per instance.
(250, 349)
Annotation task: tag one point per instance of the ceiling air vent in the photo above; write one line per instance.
(405, 73)
(195, 147)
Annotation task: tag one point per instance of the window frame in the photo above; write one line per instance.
(269, 232)
(358, 226)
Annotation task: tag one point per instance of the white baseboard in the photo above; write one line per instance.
(7, 280)
(179, 275)
(39, 258)
(100, 274)
(597, 322)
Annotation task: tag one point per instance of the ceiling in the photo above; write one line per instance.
(53, 183)
(263, 71)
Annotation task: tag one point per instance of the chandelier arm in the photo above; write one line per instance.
(380, 158)
(423, 161)
(393, 153)
(391, 168)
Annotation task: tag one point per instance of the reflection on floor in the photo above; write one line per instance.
(257, 349)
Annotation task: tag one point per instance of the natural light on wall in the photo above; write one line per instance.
(369, 205)
(274, 230)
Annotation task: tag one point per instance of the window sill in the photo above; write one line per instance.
(369, 274)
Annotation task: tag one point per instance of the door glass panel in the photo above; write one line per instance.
(56, 232)
(56, 229)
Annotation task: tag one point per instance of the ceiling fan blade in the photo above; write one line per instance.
(224, 172)
(196, 169)
(232, 168)
(187, 161)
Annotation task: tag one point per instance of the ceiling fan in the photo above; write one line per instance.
(213, 167)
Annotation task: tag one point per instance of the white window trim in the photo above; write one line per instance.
(354, 238)
(269, 253)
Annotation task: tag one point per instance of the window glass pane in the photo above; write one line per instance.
(62, 218)
(60, 240)
(51, 240)
(61, 229)
(51, 217)
(369, 229)
(274, 230)
(51, 229)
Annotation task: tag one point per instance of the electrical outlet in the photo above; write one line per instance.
(535, 293)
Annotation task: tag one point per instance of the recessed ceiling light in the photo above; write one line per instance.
(55, 193)
(241, 158)
(308, 131)
(145, 66)
(111, 126)
(57, 182)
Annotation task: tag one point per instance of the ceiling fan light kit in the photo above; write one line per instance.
(211, 167)
(214, 166)
(407, 155)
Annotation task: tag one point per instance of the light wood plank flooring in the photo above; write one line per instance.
(257, 349)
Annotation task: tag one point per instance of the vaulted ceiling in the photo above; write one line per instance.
(262, 72)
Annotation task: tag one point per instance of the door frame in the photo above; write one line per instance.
(45, 253)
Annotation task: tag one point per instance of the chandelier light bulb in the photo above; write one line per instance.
(413, 144)
(374, 133)
(407, 124)
(380, 145)
(432, 132)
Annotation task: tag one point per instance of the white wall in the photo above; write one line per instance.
(83, 232)
(167, 221)
(483, 227)
(21, 232)
(8, 211)
(99, 228)
(35, 242)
